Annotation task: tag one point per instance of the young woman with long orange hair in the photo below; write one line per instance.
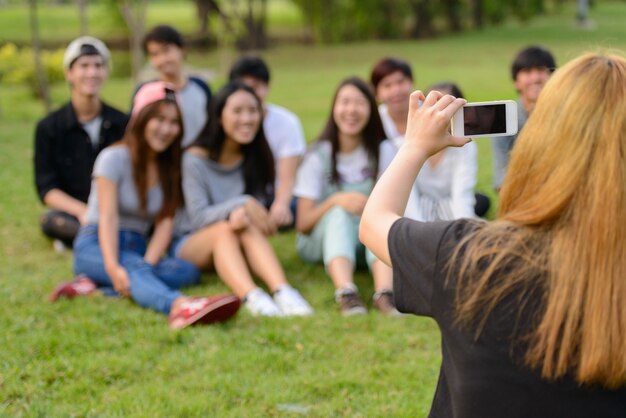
(531, 306)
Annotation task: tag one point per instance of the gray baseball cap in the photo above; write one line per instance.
(76, 49)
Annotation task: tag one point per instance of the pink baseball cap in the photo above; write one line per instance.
(150, 93)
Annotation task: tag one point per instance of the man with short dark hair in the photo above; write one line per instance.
(165, 48)
(392, 79)
(530, 71)
(284, 134)
(68, 140)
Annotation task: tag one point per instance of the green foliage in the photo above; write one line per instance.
(17, 65)
(350, 20)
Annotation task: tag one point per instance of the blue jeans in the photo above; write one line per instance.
(150, 286)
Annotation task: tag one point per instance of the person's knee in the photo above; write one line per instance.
(59, 225)
(181, 271)
(223, 231)
(340, 254)
(338, 214)
(134, 264)
(482, 205)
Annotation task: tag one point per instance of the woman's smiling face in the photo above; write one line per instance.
(241, 117)
(162, 129)
(351, 111)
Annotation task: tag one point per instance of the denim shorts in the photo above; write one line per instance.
(177, 244)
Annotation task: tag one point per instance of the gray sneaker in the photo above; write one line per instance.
(350, 303)
(383, 302)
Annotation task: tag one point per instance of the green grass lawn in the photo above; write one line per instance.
(104, 357)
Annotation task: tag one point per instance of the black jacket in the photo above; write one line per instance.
(64, 156)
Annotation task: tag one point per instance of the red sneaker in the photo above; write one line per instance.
(81, 285)
(206, 310)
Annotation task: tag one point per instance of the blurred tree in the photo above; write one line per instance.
(82, 16)
(477, 13)
(247, 22)
(204, 9)
(348, 20)
(423, 27)
(255, 23)
(42, 81)
(133, 14)
(453, 15)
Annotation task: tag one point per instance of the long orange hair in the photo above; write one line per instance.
(561, 228)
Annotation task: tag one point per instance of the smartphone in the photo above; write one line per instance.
(486, 119)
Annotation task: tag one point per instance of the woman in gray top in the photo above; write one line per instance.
(228, 175)
(137, 183)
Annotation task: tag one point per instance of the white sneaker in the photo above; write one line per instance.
(291, 302)
(259, 303)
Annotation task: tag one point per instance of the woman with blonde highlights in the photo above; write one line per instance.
(532, 306)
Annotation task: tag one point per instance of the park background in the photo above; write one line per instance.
(103, 357)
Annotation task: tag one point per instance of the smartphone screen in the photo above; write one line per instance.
(485, 119)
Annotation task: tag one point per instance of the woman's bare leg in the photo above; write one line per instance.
(262, 258)
(218, 245)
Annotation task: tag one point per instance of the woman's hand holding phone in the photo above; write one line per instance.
(428, 124)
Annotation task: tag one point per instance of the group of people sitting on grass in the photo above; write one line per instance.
(530, 306)
(190, 181)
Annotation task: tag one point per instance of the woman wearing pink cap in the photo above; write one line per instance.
(136, 184)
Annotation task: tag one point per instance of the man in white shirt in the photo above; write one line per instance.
(284, 134)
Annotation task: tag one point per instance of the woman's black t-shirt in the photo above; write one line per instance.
(483, 377)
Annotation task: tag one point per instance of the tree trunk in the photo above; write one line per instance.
(43, 89)
(82, 15)
(452, 14)
(203, 11)
(423, 27)
(477, 13)
(254, 22)
(135, 20)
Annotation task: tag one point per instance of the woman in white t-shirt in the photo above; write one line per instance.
(332, 186)
(137, 184)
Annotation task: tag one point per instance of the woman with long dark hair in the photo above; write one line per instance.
(332, 186)
(228, 175)
(530, 306)
(137, 184)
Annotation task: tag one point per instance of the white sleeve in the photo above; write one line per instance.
(309, 180)
(464, 181)
(386, 153)
(413, 207)
(284, 133)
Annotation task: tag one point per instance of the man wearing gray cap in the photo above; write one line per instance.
(68, 140)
